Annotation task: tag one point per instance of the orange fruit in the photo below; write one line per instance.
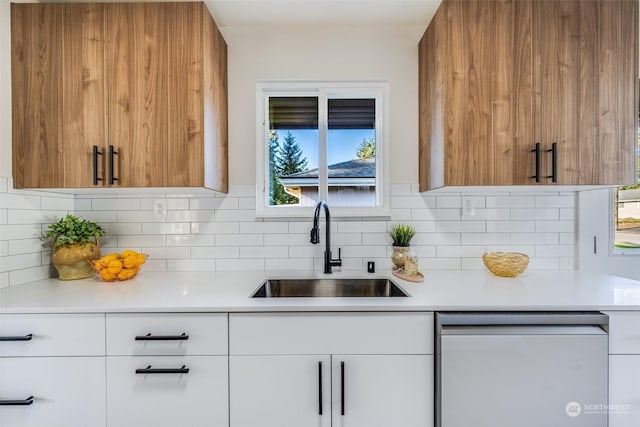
(114, 267)
(106, 276)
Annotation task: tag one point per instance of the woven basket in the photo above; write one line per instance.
(506, 264)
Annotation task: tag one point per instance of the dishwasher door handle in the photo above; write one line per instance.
(521, 319)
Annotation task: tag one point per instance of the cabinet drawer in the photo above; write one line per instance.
(67, 391)
(51, 335)
(624, 332)
(326, 333)
(195, 399)
(167, 334)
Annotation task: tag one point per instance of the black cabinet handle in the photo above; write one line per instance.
(341, 388)
(554, 162)
(96, 153)
(149, 337)
(320, 388)
(112, 154)
(27, 401)
(538, 152)
(27, 337)
(149, 370)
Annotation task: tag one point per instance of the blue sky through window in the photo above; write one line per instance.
(342, 143)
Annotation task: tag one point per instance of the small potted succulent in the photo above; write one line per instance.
(75, 243)
(401, 235)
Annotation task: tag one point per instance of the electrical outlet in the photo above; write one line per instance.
(468, 209)
(160, 209)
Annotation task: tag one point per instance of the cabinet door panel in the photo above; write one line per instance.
(137, 93)
(67, 391)
(624, 391)
(196, 399)
(37, 113)
(279, 391)
(83, 98)
(389, 390)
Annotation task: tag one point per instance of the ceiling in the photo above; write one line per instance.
(322, 12)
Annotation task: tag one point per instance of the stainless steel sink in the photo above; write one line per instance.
(328, 288)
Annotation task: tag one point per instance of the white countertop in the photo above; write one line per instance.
(229, 292)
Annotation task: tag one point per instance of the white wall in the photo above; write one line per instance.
(324, 53)
(5, 88)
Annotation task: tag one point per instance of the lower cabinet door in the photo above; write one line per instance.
(280, 391)
(146, 391)
(624, 391)
(382, 390)
(65, 391)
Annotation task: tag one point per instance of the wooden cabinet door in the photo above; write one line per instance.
(137, 52)
(280, 391)
(57, 93)
(382, 390)
(585, 89)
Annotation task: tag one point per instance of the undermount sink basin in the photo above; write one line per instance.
(328, 288)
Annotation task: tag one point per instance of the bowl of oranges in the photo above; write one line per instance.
(118, 267)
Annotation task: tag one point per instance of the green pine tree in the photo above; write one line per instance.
(367, 148)
(290, 158)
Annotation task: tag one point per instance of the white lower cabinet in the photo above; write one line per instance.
(624, 390)
(308, 390)
(65, 391)
(167, 391)
(624, 368)
(318, 370)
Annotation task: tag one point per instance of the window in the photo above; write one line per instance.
(321, 142)
(626, 216)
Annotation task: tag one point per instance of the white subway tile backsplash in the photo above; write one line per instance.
(218, 252)
(166, 228)
(220, 232)
(264, 252)
(115, 204)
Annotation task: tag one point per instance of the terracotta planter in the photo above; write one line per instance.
(72, 261)
(400, 254)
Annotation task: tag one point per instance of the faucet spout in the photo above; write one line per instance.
(329, 262)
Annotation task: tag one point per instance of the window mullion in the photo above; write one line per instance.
(323, 190)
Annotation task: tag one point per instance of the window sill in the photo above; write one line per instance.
(337, 212)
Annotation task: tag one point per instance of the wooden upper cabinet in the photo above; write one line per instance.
(499, 76)
(145, 83)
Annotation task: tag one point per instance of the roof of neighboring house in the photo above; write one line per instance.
(629, 195)
(358, 168)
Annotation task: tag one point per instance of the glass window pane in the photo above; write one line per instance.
(351, 152)
(293, 141)
(627, 214)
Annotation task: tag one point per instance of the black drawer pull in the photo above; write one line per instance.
(149, 337)
(27, 401)
(341, 388)
(27, 337)
(319, 387)
(149, 370)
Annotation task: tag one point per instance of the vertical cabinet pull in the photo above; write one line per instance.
(554, 162)
(112, 154)
(27, 337)
(320, 388)
(24, 402)
(538, 152)
(96, 153)
(342, 388)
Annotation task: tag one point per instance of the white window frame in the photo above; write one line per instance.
(323, 90)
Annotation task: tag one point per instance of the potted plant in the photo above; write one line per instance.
(75, 243)
(401, 235)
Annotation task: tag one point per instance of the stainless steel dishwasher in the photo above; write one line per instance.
(521, 369)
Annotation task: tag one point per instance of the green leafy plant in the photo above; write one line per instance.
(71, 230)
(401, 234)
